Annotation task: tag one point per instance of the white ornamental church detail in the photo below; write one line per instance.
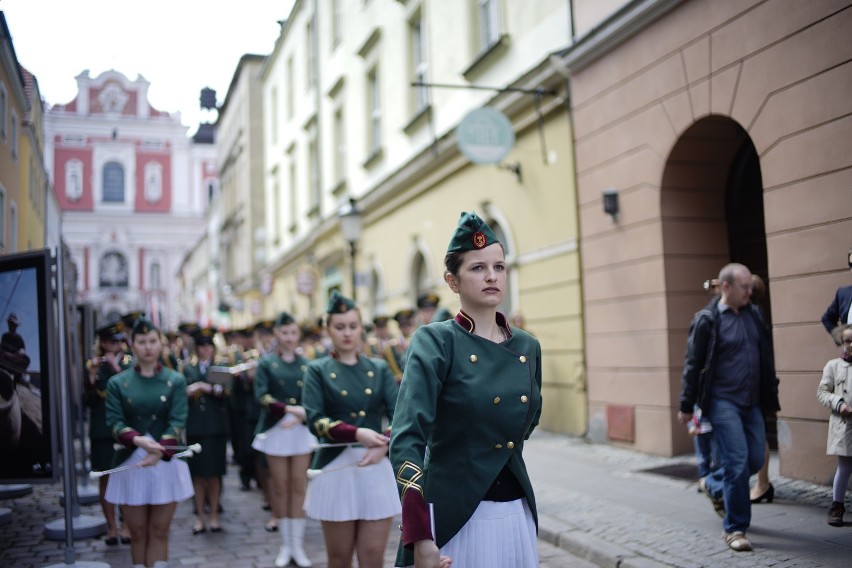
(113, 98)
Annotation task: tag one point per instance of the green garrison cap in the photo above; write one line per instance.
(428, 300)
(204, 336)
(284, 319)
(471, 234)
(339, 304)
(142, 326)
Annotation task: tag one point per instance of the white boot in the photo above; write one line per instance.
(161, 564)
(283, 558)
(298, 527)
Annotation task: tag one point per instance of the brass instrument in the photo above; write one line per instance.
(223, 374)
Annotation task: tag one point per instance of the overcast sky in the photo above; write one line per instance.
(178, 46)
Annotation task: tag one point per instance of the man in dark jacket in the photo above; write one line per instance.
(729, 373)
(838, 311)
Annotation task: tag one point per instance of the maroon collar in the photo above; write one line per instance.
(469, 325)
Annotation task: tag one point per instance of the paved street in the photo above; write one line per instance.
(244, 542)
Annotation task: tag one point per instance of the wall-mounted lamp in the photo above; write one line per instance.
(610, 203)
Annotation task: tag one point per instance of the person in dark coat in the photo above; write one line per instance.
(207, 424)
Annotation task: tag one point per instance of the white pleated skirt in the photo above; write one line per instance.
(348, 492)
(284, 442)
(165, 482)
(498, 535)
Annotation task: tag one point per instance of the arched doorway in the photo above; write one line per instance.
(712, 214)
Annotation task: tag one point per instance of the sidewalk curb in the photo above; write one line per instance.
(589, 547)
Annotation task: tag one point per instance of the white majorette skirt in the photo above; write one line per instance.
(283, 442)
(353, 493)
(498, 535)
(165, 482)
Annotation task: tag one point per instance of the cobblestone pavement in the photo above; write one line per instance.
(244, 542)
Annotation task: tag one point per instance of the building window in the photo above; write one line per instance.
(420, 275)
(336, 22)
(313, 165)
(374, 105)
(276, 209)
(311, 51)
(291, 189)
(4, 101)
(156, 282)
(417, 45)
(290, 87)
(113, 272)
(2, 217)
(273, 107)
(73, 180)
(13, 227)
(153, 182)
(113, 183)
(13, 129)
(340, 146)
(489, 23)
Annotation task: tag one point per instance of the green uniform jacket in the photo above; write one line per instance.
(472, 403)
(276, 380)
(148, 405)
(94, 396)
(208, 414)
(340, 398)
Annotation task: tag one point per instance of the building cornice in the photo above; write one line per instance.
(623, 24)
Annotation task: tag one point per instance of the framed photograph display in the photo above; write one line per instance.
(27, 340)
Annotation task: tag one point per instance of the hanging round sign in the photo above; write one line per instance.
(485, 136)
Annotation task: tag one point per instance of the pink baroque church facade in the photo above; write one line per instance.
(133, 189)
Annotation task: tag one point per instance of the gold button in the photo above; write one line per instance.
(352, 414)
(510, 445)
(496, 400)
(524, 399)
(344, 393)
(304, 367)
(498, 447)
(299, 383)
(523, 359)
(275, 365)
(292, 401)
(333, 375)
(368, 391)
(473, 358)
(163, 398)
(370, 374)
(362, 413)
(153, 417)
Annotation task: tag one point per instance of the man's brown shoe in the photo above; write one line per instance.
(737, 541)
(718, 504)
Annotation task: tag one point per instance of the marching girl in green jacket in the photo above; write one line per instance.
(347, 396)
(206, 424)
(469, 398)
(146, 409)
(109, 360)
(284, 438)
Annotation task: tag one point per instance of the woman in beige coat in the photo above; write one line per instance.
(834, 393)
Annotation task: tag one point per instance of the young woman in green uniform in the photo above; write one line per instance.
(207, 424)
(347, 396)
(284, 438)
(469, 398)
(110, 359)
(146, 409)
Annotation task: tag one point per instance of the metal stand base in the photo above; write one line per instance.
(86, 495)
(80, 564)
(83, 526)
(15, 491)
(5, 516)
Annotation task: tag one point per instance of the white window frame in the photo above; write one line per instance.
(419, 61)
(340, 146)
(2, 216)
(72, 167)
(311, 53)
(488, 22)
(374, 110)
(13, 127)
(13, 227)
(4, 110)
(336, 23)
(153, 180)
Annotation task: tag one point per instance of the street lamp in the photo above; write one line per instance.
(350, 226)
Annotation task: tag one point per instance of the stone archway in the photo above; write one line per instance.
(712, 214)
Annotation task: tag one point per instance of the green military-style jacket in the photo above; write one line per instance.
(276, 380)
(359, 395)
(470, 404)
(148, 405)
(94, 396)
(208, 413)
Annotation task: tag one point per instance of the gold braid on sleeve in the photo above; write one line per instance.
(323, 427)
(266, 399)
(408, 476)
